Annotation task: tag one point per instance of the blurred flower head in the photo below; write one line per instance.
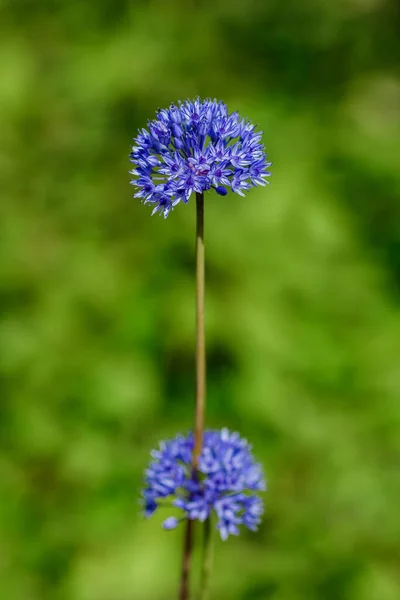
(194, 147)
(226, 481)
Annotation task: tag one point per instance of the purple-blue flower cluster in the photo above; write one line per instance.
(225, 482)
(194, 147)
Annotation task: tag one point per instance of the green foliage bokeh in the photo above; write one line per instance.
(97, 298)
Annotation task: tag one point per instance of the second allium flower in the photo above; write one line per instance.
(225, 483)
(194, 147)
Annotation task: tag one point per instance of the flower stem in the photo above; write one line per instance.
(200, 334)
(207, 557)
(200, 384)
(187, 555)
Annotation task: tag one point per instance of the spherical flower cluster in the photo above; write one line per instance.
(194, 147)
(225, 482)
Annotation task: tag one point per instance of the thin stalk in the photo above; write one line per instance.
(187, 556)
(200, 334)
(207, 559)
(200, 384)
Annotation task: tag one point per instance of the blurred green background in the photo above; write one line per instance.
(97, 298)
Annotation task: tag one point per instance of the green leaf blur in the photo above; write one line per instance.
(97, 297)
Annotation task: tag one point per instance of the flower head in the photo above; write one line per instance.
(225, 483)
(194, 147)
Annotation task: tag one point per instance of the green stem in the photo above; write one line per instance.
(207, 559)
(200, 334)
(200, 385)
(187, 556)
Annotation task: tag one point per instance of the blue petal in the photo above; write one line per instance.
(171, 523)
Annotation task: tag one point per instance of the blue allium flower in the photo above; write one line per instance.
(225, 483)
(194, 147)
